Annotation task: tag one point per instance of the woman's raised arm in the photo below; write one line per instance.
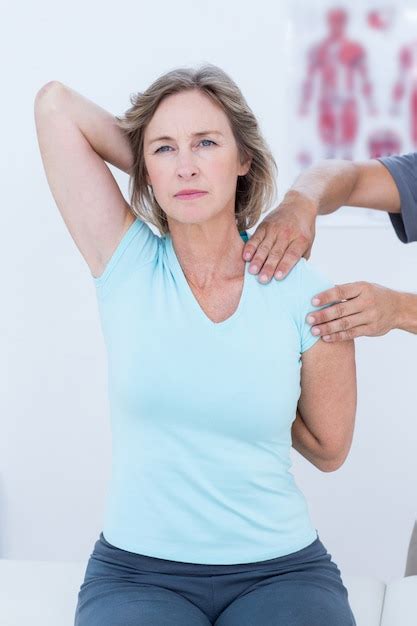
(76, 137)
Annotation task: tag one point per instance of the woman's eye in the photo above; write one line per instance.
(160, 149)
(207, 140)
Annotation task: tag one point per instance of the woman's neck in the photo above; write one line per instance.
(208, 253)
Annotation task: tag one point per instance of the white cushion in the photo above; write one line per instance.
(39, 593)
(366, 598)
(400, 606)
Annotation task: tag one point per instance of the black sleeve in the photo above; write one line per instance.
(403, 169)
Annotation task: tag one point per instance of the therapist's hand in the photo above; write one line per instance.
(361, 310)
(284, 236)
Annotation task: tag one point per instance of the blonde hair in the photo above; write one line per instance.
(255, 191)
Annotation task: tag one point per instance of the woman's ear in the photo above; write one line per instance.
(245, 167)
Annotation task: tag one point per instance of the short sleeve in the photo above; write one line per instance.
(311, 282)
(403, 169)
(137, 247)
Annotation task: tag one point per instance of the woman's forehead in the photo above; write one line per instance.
(186, 116)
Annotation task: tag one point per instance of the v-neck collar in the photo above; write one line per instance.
(179, 273)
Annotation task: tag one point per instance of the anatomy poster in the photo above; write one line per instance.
(352, 82)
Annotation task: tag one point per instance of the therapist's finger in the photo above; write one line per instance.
(338, 316)
(347, 325)
(271, 242)
(267, 251)
(337, 293)
(348, 335)
(280, 261)
(263, 242)
(307, 253)
(252, 244)
(292, 255)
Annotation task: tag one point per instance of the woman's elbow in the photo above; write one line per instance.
(334, 463)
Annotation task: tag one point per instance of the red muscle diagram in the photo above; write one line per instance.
(383, 142)
(407, 82)
(339, 67)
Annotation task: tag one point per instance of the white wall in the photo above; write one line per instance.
(55, 435)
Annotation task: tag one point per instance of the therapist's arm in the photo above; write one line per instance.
(287, 233)
(407, 312)
(335, 183)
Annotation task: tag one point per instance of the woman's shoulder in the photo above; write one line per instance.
(305, 280)
(310, 272)
(303, 273)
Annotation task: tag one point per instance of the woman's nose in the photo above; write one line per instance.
(186, 168)
(186, 163)
(185, 172)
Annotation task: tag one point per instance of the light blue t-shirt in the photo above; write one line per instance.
(201, 412)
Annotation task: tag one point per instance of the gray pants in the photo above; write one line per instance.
(123, 588)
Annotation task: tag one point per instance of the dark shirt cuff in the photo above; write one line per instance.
(403, 169)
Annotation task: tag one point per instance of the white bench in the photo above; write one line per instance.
(44, 593)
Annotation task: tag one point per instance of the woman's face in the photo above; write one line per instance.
(184, 160)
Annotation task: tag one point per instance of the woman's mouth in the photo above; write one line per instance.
(191, 196)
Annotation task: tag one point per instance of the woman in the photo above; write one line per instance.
(204, 523)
